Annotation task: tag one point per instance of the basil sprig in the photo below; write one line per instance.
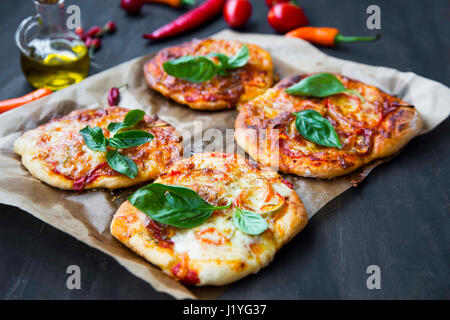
(182, 207)
(95, 140)
(312, 126)
(201, 68)
(122, 163)
(249, 222)
(320, 85)
(131, 118)
(177, 206)
(129, 139)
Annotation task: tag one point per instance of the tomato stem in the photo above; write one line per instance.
(91, 52)
(340, 38)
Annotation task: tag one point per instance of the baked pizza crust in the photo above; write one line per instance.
(36, 147)
(182, 255)
(385, 125)
(222, 92)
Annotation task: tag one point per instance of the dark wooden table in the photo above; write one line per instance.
(397, 219)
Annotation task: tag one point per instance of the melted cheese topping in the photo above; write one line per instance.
(207, 246)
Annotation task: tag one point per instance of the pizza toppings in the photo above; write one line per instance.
(95, 140)
(78, 184)
(272, 205)
(131, 119)
(181, 271)
(211, 235)
(310, 123)
(320, 85)
(160, 232)
(203, 68)
(249, 222)
(177, 206)
(253, 199)
(189, 196)
(182, 207)
(314, 127)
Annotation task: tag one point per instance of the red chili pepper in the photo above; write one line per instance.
(110, 27)
(328, 37)
(113, 96)
(94, 32)
(80, 32)
(193, 18)
(88, 41)
(96, 43)
(131, 6)
(9, 104)
(93, 44)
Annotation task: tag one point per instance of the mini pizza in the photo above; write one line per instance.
(228, 88)
(211, 219)
(281, 129)
(57, 153)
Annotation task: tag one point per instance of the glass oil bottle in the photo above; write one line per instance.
(51, 56)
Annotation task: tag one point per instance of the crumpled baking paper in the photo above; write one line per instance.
(87, 215)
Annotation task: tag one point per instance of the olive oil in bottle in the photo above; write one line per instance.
(55, 64)
(51, 56)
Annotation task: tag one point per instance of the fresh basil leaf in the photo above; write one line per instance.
(223, 62)
(131, 118)
(320, 85)
(249, 222)
(94, 138)
(239, 59)
(223, 59)
(177, 206)
(114, 127)
(200, 68)
(122, 164)
(128, 139)
(190, 68)
(312, 126)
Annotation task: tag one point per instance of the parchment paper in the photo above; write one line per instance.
(87, 215)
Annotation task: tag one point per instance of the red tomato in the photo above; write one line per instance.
(237, 12)
(273, 2)
(284, 17)
(131, 6)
